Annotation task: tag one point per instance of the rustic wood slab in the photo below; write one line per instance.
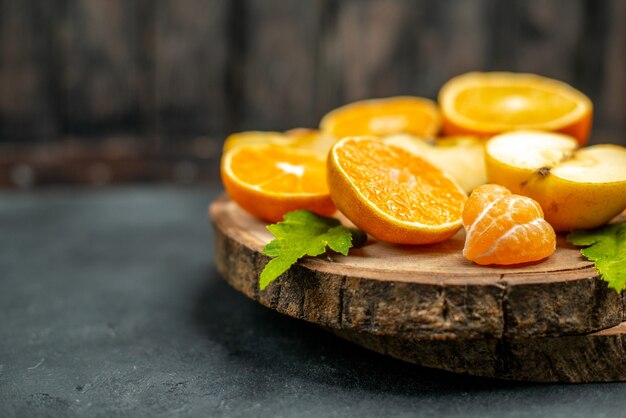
(419, 292)
(595, 357)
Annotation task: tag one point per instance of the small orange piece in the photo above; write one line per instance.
(392, 194)
(505, 228)
(486, 104)
(393, 115)
(269, 180)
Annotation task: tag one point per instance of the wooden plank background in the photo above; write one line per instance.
(169, 71)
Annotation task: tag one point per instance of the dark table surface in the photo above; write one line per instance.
(110, 304)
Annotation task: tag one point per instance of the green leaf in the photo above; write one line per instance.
(606, 247)
(303, 233)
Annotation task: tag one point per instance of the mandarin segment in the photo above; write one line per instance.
(504, 228)
(270, 180)
(392, 194)
(485, 195)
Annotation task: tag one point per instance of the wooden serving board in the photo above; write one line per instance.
(552, 321)
(419, 292)
(595, 357)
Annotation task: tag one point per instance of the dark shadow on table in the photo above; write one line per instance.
(267, 339)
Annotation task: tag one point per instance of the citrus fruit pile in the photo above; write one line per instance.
(400, 168)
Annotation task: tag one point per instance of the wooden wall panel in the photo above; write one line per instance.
(397, 46)
(190, 54)
(387, 48)
(107, 66)
(278, 57)
(28, 43)
(166, 69)
(612, 99)
(376, 55)
(539, 43)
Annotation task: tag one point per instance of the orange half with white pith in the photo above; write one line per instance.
(487, 104)
(270, 180)
(379, 117)
(392, 194)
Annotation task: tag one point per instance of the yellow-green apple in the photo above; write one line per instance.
(577, 188)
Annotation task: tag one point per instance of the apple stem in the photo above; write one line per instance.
(543, 171)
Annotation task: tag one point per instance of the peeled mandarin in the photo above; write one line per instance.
(504, 228)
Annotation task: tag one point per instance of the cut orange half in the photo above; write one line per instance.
(380, 117)
(392, 194)
(490, 103)
(270, 180)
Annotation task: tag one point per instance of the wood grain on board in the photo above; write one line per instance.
(419, 292)
(594, 357)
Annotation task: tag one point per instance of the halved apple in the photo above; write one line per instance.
(462, 157)
(577, 188)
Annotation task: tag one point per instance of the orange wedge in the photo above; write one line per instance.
(486, 104)
(393, 115)
(392, 194)
(269, 180)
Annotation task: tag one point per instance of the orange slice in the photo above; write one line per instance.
(392, 194)
(393, 115)
(490, 103)
(270, 180)
(504, 228)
